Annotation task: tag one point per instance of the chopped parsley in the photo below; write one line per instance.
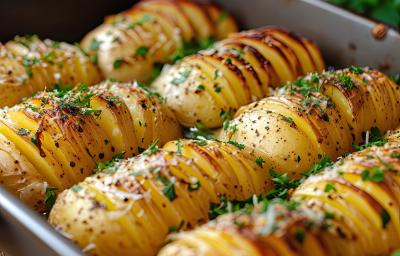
(142, 51)
(236, 144)
(194, 186)
(395, 78)
(287, 119)
(199, 132)
(217, 74)
(356, 70)
(260, 161)
(182, 77)
(385, 217)
(226, 116)
(101, 166)
(282, 185)
(50, 197)
(145, 18)
(345, 81)
(300, 234)
(244, 206)
(23, 131)
(375, 139)
(76, 188)
(176, 228)
(117, 63)
(189, 48)
(201, 142)
(200, 87)
(178, 147)
(95, 44)
(168, 189)
(319, 166)
(374, 174)
(153, 148)
(330, 186)
(218, 89)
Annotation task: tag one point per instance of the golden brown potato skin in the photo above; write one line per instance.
(235, 72)
(129, 44)
(29, 65)
(338, 212)
(131, 207)
(315, 116)
(56, 139)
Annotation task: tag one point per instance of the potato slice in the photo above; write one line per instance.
(173, 11)
(233, 75)
(140, 210)
(198, 18)
(296, 44)
(250, 75)
(274, 54)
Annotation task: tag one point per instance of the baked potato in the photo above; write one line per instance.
(29, 65)
(320, 114)
(128, 45)
(235, 72)
(131, 207)
(351, 208)
(55, 139)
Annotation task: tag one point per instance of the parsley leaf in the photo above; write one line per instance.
(182, 77)
(375, 139)
(142, 51)
(23, 131)
(259, 161)
(50, 197)
(319, 166)
(168, 189)
(101, 166)
(236, 144)
(117, 63)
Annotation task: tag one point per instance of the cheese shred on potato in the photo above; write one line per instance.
(55, 139)
(29, 65)
(129, 45)
(235, 72)
(351, 208)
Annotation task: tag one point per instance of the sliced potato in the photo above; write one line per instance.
(322, 114)
(165, 27)
(145, 198)
(29, 65)
(62, 135)
(243, 68)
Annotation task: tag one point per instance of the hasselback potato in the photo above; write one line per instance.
(351, 208)
(29, 65)
(320, 114)
(128, 45)
(235, 72)
(131, 207)
(56, 139)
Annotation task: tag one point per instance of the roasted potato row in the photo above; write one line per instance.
(235, 72)
(130, 208)
(55, 139)
(29, 65)
(351, 208)
(320, 114)
(128, 45)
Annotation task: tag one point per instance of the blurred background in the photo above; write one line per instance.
(386, 11)
(60, 20)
